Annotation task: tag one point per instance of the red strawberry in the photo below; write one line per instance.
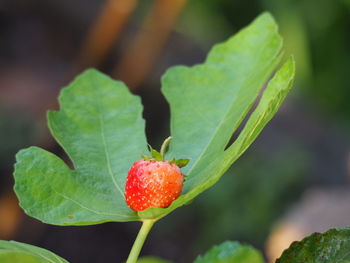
(153, 182)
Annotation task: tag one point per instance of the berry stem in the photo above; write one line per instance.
(140, 239)
(164, 146)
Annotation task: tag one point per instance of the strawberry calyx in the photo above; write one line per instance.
(160, 155)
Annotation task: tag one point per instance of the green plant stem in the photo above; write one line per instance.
(140, 239)
(165, 146)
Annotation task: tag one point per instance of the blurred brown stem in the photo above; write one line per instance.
(10, 215)
(104, 32)
(141, 54)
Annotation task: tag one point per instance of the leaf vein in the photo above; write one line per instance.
(109, 168)
(85, 207)
(108, 158)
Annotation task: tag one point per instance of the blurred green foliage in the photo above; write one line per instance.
(316, 32)
(328, 247)
(251, 196)
(228, 252)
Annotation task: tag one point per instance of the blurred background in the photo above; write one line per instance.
(293, 181)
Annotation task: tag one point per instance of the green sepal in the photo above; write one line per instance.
(185, 176)
(182, 162)
(156, 155)
(145, 157)
(160, 156)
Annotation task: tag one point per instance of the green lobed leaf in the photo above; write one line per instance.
(13, 252)
(209, 101)
(100, 127)
(229, 252)
(329, 247)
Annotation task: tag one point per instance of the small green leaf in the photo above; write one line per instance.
(229, 252)
(209, 101)
(152, 260)
(182, 162)
(15, 252)
(100, 127)
(332, 246)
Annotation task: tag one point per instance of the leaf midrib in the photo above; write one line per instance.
(103, 137)
(85, 207)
